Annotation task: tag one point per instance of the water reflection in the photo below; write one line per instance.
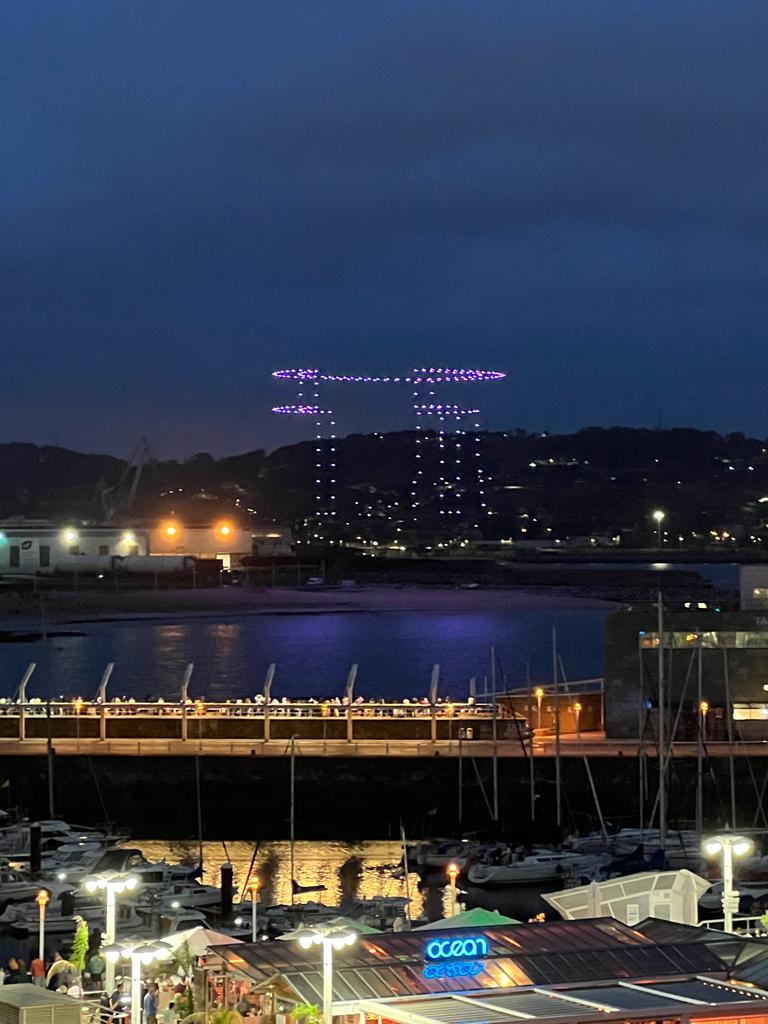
(395, 652)
(347, 870)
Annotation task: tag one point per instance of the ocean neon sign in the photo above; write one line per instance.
(455, 957)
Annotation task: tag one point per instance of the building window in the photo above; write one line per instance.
(14, 556)
(74, 550)
(45, 556)
(103, 549)
(133, 549)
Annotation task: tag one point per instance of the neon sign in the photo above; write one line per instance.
(455, 957)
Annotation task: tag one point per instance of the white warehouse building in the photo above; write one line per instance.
(29, 548)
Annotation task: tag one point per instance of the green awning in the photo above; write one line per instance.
(477, 918)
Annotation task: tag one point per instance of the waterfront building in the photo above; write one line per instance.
(577, 970)
(224, 540)
(733, 648)
(753, 586)
(30, 547)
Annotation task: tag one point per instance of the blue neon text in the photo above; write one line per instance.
(456, 949)
(456, 969)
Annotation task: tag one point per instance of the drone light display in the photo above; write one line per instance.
(441, 447)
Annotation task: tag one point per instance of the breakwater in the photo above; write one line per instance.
(249, 797)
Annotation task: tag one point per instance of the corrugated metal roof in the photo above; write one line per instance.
(542, 954)
(577, 1002)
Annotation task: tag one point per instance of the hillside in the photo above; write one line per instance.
(596, 481)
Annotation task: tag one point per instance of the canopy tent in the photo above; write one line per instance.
(479, 917)
(199, 940)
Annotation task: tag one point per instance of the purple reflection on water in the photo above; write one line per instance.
(395, 652)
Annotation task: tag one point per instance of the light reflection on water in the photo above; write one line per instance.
(347, 870)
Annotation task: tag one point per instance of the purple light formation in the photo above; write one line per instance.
(301, 410)
(431, 409)
(423, 375)
(441, 475)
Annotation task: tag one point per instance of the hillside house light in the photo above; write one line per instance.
(729, 846)
(658, 518)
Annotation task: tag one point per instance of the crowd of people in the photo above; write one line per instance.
(163, 1001)
(278, 706)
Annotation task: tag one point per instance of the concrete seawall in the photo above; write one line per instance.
(337, 798)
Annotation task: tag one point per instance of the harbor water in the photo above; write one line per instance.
(395, 652)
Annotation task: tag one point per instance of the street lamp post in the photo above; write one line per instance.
(658, 517)
(114, 884)
(703, 710)
(330, 938)
(729, 845)
(42, 900)
(539, 694)
(577, 715)
(254, 909)
(140, 954)
(453, 874)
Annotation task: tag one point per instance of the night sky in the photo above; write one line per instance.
(194, 194)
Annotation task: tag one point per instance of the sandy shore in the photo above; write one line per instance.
(88, 606)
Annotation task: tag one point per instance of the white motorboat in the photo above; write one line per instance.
(712, 898)
(682, 848)
(14, 885)
(540, 866)
(439, 853)
(149, 873)
(190, 896)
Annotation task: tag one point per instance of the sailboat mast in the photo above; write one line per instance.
(729, 722)
(700, 745)
(495, 740)
(531, 772)
(558, 781)
(199, 811)
(293, 816)
(640, 737)
(662, 729)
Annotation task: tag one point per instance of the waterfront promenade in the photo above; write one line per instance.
(332, 729)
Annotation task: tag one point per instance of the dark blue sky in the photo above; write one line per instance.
(193, 194)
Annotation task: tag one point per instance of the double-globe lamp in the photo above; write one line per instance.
(112, 884)
(730, 845)
(331, 938)
(140, 954)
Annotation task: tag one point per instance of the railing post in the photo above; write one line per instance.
(23, 699)
(267, 696)
(434, 683)
(101, 693)
(349, 692)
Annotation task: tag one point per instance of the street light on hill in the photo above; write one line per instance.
(658, 518)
